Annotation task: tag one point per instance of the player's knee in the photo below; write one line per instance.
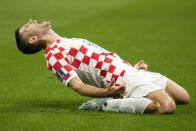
(168, 107)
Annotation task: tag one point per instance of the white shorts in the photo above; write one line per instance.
(141, 83)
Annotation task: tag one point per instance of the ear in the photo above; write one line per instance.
(33, 40)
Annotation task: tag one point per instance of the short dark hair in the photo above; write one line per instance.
(24, 47)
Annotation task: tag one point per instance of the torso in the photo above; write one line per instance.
(93, 64)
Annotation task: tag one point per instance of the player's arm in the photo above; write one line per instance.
(141, 65)
(88, 90)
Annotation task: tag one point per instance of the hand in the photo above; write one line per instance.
(141, 65)
(116, 91)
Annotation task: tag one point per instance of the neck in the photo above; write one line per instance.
(50, 38)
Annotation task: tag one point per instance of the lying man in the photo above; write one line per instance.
(95, 72)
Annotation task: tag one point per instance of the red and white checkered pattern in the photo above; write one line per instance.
(93, 64)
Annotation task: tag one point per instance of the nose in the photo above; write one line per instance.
(30, 20)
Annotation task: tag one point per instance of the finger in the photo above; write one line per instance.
(144, 66)
(136, 66)
(119, 96)
(140, 62)
(112, 82)
(124, 93)
(124, 84)
(121, 89)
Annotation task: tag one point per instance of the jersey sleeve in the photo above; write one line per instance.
(60, 67)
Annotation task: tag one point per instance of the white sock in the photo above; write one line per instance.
(128, 105)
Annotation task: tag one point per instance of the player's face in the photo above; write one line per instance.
(35, 28)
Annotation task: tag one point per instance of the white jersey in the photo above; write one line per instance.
(67, 58)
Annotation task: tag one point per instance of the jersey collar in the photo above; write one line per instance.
(56, 42)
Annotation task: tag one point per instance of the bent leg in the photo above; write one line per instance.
(163, 103)
(178, 94)
(158, 102)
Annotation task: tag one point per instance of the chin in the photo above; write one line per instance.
(49, 23)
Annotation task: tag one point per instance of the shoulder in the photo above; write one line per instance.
(56, 51)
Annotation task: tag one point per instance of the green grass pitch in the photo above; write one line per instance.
(162, 32)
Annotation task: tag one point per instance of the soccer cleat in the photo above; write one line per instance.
(94, 104)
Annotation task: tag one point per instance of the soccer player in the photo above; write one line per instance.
(95, 72)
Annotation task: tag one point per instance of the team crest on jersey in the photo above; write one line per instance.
(61, 75)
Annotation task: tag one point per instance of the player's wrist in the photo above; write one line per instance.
(107, 93)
